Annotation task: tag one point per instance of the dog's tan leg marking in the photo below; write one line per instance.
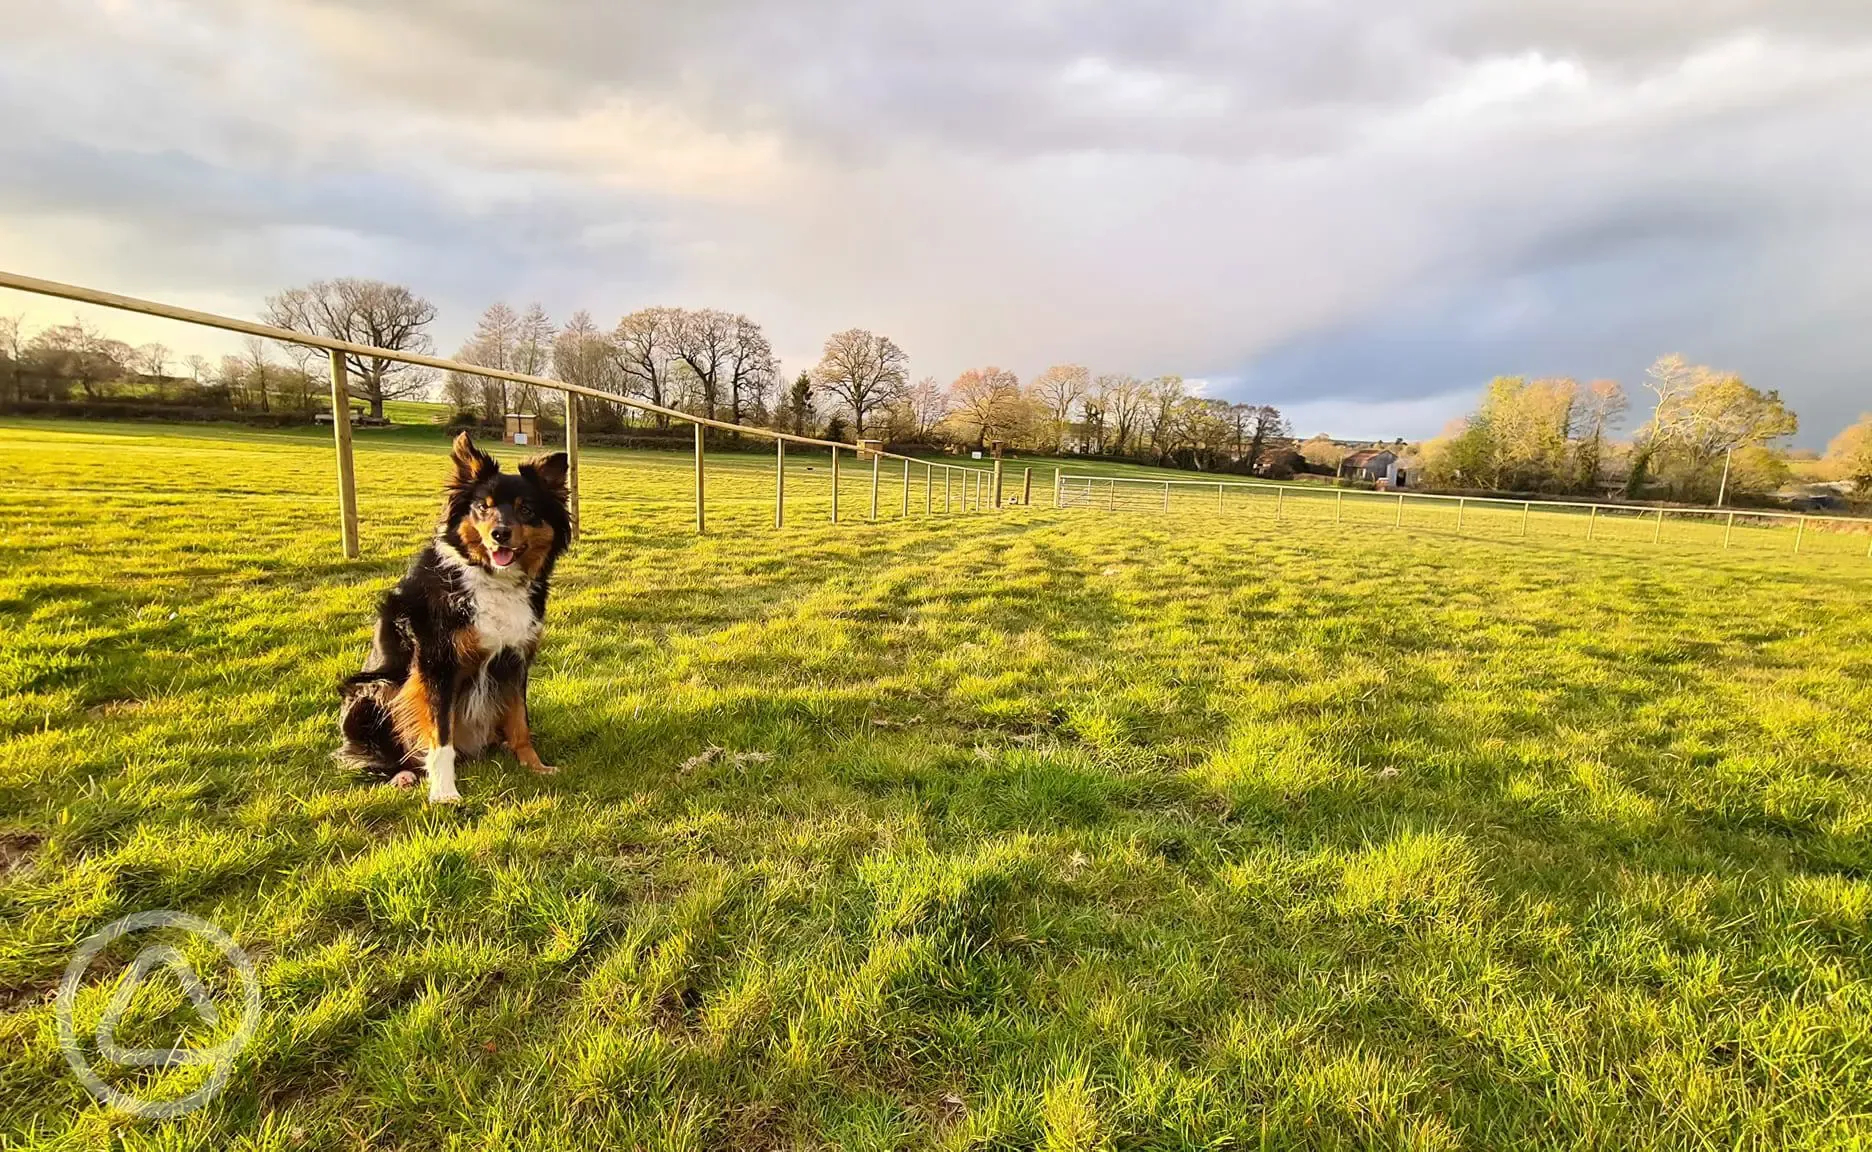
(519, 736)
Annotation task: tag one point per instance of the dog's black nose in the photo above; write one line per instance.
(501, 534)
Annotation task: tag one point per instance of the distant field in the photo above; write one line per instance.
(1166, 829)
(415, 412)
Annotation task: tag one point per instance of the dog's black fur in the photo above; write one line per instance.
(455, 640)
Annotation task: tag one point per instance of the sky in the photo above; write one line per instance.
(1358, 212)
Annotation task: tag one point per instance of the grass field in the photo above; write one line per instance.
(1012, 829)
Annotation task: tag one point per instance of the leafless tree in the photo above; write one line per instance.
(863, 370)
(1165, 392)
(582, 355)
(643, 347)
(13, 347)
(532, 354)
(152, 360)
(1118, 398)
(363, 312)
(986, 404)
(254, 369)
(926, 404)
(1055, 391)
(1255, 426)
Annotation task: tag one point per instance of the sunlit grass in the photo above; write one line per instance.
(1027, 828)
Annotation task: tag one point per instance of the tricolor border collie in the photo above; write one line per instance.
(447, 671)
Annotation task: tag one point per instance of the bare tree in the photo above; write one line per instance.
(1165, 393)
(13, 347)
(1117, 397)
(198, 366)
(532, 354)
(753, 373)
(1601, 405)
(1255, 426)
(254, 370)
(862, 369)
(364, 312)
(152, 360)
(986, 404)
(582, 355)
(643, 347)
(1055, 391)
(926, 404)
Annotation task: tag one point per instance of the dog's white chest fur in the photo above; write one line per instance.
(503, 610)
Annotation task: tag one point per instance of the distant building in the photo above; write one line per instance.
(1279, 463)
(1374, 465)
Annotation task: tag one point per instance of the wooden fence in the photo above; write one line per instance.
(1476, 515)
(986, 483)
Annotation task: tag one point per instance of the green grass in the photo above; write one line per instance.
(416, 412)
(1022, 829)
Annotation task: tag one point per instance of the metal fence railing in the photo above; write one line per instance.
(1798, 532)
(982, 484)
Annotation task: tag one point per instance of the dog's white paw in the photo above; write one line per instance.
(440, 766)
(405, 780)
(544, 770)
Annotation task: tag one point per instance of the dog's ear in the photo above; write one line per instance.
(469, 465)
(549, 472)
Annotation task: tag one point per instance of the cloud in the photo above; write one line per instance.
(1327, 205)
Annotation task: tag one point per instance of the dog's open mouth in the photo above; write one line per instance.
(502, 557)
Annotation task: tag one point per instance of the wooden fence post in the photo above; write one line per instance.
(1111, 495)
(1218, 497)
(572, 446)
(1280, 497)
(1657, 531)
(1527, 506)
(906, 491)
(701, 518)
(877, 461)
(996, 494)
(835, 485)
(1800, 529)
(1728, 529)
(1592, 519)
(1399, 522)
(1056, 487)
(1338, 506)
(1026, 486)
(779, 488)
(347, 476)
(1462, 502)
(929, 488)
(948, 483)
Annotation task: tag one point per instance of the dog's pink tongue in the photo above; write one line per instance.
(503, 557)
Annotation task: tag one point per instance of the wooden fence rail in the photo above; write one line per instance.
(341, 407)
(1103, 492)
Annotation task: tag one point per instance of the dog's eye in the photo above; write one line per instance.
(521, 509)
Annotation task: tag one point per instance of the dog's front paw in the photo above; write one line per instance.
(539, 769)
(446, 795)
(405, 780)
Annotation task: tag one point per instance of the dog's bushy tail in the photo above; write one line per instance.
(370, 743)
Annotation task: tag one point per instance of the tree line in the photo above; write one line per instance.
(1708, 432)
(1708, 435)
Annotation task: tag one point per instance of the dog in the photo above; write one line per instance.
(447, 673)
